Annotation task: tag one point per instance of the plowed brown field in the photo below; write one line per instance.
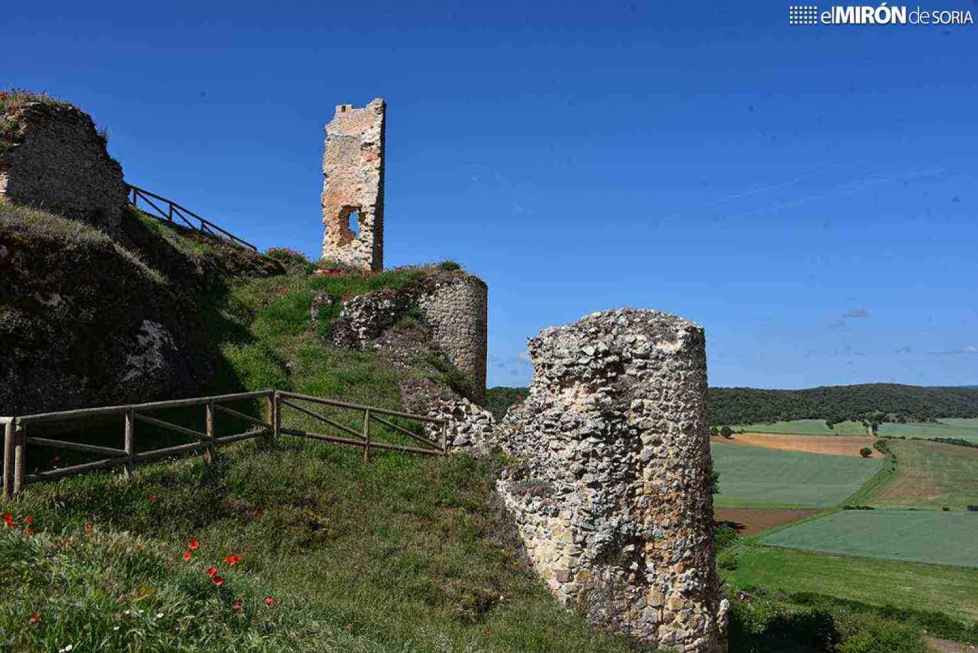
(837, 445)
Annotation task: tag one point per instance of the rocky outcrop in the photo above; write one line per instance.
(612, 495)
(53, 158)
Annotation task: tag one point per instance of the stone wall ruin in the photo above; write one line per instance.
(53, 158)
(353, 187)
(612, 495)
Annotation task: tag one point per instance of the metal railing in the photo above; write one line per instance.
(172, 212)
(17, 441)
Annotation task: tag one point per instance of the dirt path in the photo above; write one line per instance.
(838, 445)
(750, 521)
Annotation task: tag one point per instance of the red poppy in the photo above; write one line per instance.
(217, 580)
(8, 519)
(194, 544)
(270, 601)
(232, 560)
(35, 618)
(28, 520)
(212, 571)
(237, 605)
(187, 555)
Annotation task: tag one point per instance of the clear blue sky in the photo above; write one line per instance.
(808, 194)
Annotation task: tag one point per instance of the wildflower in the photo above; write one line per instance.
(89, 528)
(232, 560)
(237, 605)
(28, 521)
(35, 618)
(270, 601)
(152, 498)
(212, 571)
(159, 615)
(194, 544)
(217, 580)
(67, 649)
(29, 531)
(8, 519)
(187, 555)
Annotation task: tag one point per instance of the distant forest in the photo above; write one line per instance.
(838, 403)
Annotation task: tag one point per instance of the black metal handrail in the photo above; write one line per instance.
(171, 210)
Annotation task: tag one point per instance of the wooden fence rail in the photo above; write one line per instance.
(16, 439)
(159, 207)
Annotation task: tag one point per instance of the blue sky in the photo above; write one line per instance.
(809, 194)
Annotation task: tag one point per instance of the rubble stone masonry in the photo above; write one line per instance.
(53, 158)
(353, 187)
(612, 494)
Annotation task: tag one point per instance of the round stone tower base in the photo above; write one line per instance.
(612, 494)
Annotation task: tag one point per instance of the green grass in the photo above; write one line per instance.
(930, 475)
(757, 477)
(946, 538)
(874, 582)
(402, 554)
(946, 427)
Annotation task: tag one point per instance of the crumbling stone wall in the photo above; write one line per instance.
(457, 307)
(53, 158)
(353, 167)
(452, 303)
(612, 497)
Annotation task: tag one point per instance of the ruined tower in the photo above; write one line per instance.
(353, 187)
(611, 489)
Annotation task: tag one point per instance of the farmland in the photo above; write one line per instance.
(947, 427)
(930, 475)
(836, 445)
(875, 582)
(889, 534)
(759, 477)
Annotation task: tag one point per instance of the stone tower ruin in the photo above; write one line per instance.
(353, 187)
(612, 493)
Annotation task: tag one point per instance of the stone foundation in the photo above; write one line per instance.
(53, 158)
(353, 188)
(612, 496)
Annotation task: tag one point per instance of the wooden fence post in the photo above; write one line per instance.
(130, 442)
(209, 429)
(20, 457)
(9, 433)
(271, 404)
(277, 416)
(366, 435)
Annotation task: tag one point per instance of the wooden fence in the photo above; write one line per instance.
(151, 206)
(17, 439)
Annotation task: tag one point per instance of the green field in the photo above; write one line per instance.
(929, 475)
(804, 427)
(948, 427)
(946, 538)
(876, 582)
(757, 477)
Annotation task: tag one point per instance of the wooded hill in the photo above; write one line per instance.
(837, 403)
(902, 403)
